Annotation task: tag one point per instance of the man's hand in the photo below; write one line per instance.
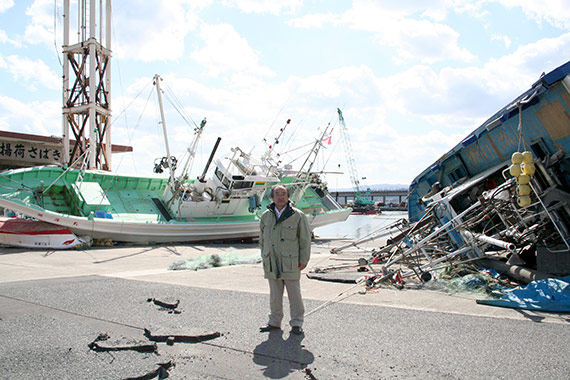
(302, 266)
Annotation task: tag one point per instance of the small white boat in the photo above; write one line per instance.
(29, 233)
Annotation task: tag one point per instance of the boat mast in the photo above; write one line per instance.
(303, 178)
(267, 158)
(170, 161)
(192, 148)
(312, 156)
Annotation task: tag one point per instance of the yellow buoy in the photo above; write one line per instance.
(527, 157)
(529, 168)
(515, 170)
(524, 201)
(523, 190)
(517, 158)
(523, 179)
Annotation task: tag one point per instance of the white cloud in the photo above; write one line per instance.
(406, 120)
(225, 51)
(32, 72)
(5, 39)
(458, 97)
(397, 25)
(5, 5)
(42, 118)
(143, 30)
(153, 30)
(400, 122)
(414, 39)
(505, 39)
(415, 116)
(554, 12)
(474, 8)
(40, 31)
(315, 20)
(265, 6)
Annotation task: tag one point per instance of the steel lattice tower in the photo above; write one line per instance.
(87, 88)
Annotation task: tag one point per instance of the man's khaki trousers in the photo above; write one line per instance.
(297, 310)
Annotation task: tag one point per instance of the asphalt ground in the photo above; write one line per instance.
(53, 305)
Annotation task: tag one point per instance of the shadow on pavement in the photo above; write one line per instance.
(281, 357)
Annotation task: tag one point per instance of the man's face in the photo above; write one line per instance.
(280, 197)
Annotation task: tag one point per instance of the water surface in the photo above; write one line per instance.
(359, 226)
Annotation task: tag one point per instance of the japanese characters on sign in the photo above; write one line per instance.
(30, 152)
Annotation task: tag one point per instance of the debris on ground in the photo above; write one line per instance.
(214, 261)
(170, 339)
(170, 306)
(103, 343)
(161, 372)
(552, 294)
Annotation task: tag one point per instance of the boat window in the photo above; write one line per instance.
(243, 185)
(226, 182)
(219, 174)
(539, 148)
(456, 175)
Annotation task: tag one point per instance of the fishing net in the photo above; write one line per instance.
(472, 280)
(215, 260)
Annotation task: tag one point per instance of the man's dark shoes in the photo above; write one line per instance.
(268, 328)
(297, 330)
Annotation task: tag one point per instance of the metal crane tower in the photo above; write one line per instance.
(87, 89)
(360, 199)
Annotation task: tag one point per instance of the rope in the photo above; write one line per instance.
(521, 138)
(333, 300)
(73, 313)
(171, 97)
(57, 51)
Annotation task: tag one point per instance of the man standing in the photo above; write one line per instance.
(285, 241)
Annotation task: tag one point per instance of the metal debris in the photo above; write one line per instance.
(171, 339)
(461, 225)
(103, 344)
(171, 306)
(161, 372)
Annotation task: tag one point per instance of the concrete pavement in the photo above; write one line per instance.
(53, 304)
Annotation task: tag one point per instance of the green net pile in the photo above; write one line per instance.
(214, 261)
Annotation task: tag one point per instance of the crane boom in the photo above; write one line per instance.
(360, 199)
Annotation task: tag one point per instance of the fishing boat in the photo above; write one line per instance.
(536, 121)
(122, 208)
(506, 185)
(364, 210)
(500, 199)
(307, 189)
(105, 205)
(28, 233)
(138, 209)
(223, 205)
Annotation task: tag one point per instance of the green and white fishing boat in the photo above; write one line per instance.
(103, 205)
(122, 208)
(137, 209)
(100, 204)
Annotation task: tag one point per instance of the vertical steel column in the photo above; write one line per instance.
(92, 85)
(65, 91)
(108, 23)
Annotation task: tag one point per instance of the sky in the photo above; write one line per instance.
(412, 78)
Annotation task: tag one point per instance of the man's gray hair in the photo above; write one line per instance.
(274, 187)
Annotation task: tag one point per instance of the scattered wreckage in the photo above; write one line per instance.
(500, 199)
(149, 344)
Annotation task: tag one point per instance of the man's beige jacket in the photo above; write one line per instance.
(285, 243)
